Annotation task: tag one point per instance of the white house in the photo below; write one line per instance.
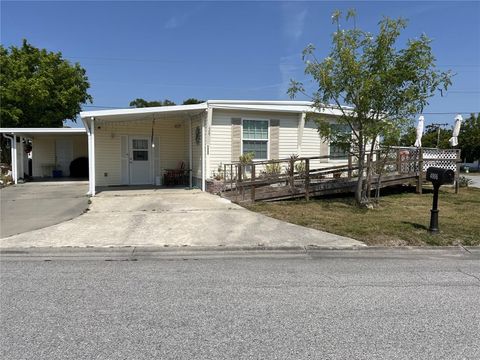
(137, 146)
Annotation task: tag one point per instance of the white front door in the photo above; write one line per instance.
(63, 155)
(140, 160)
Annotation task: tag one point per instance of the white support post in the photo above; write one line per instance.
(14, 159)
(20, 162)
(190, 154)
(203, 155)
(301, 126)
(92, 147)
(208, 129)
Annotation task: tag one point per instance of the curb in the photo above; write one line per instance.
(131, 253)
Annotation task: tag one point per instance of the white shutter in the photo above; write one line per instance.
(124, 154)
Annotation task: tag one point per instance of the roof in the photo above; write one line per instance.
(30, 132)
(253, 105)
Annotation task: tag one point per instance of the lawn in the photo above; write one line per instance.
(401, 219)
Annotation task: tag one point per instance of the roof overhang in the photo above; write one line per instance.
(31, 132)
(147, 113)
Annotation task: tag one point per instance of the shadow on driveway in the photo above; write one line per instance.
(35, 205)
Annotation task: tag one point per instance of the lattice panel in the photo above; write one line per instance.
(445, 159)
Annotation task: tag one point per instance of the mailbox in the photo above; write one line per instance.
(439, 176)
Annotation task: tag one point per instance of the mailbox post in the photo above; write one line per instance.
(438, 177)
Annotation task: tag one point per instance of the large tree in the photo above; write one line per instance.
(39, 88)
(469, 138)
(383, 84)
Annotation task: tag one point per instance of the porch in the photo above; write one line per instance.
(149, 147)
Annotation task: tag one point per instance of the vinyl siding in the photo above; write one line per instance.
(171, 135)
(311, 143)
(221, 134)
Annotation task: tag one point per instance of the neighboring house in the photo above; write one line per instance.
(136, 146)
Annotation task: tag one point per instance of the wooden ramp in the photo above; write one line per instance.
(293, 178)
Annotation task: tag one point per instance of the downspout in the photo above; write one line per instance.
(13, 155)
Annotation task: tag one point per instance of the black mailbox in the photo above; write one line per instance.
(440, 176)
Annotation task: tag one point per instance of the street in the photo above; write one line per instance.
(323, 304)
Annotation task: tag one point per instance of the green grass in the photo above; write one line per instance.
(400, 219)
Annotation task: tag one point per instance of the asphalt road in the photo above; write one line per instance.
(356, 304)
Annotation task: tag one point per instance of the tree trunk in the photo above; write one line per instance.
(359, 187)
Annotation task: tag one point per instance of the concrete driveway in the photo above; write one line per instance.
(172, 217)
(35, 205)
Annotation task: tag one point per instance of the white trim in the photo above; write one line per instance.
(147, 110)
(268, 134)
(47, 131)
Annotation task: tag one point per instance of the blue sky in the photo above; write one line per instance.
(231, 50)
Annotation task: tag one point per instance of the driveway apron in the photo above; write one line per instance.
(172, 217)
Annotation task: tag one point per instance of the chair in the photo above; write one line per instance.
(176, 176)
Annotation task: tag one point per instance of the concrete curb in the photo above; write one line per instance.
(130, 253)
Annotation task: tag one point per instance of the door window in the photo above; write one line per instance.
(140, 149)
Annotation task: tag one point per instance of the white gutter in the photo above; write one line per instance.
(13, 155)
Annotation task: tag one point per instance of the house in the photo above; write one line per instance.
(138, 146)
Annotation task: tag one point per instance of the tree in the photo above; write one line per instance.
(469, 138)
(383, 85)
(39, 88)
(141, 103)
(191, 101)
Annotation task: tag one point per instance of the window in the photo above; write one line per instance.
(140, 149)
(338, 152)
(255, 138)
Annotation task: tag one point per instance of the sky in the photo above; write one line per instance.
(232, 50)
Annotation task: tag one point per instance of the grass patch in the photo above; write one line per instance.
(401, 219)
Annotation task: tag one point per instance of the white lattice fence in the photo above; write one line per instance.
(442, 158)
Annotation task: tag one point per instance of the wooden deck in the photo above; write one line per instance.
(293, 178)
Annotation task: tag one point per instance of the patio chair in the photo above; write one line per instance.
(176, 176)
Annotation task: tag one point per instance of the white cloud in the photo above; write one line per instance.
(288, 70)
(294, 20)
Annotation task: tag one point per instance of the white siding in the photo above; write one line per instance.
(311, 143)
(221, 141)
(171, 135)
(288, 136)
(221, 134)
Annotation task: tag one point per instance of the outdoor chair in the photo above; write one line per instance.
(176, 176)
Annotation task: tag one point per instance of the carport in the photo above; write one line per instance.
(52, 152)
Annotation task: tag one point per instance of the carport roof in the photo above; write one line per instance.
(30, 132)
(179, 110)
